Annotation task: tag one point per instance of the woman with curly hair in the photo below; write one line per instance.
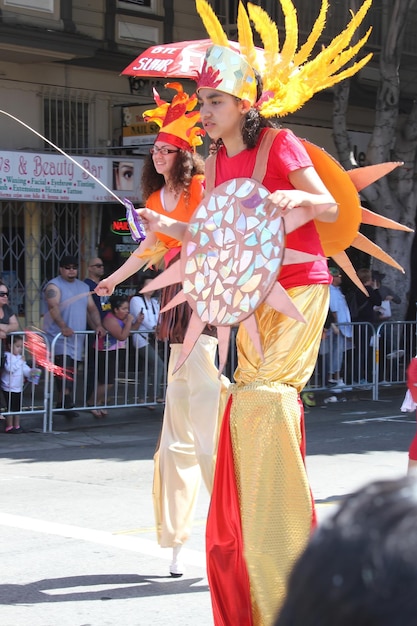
(172, 183)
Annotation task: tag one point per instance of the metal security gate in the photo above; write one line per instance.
(33, 237)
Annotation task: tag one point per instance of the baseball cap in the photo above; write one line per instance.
(68, 259)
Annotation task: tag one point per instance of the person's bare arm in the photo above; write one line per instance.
(53, 300)
(11, 327)
(132, 265)
(310, 192)
(157, 223)
(93, 317)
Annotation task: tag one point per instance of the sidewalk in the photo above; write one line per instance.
(119, 425)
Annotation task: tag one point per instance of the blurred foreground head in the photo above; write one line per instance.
(360, 567)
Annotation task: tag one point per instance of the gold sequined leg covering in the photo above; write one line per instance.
(273, 489)
(274, 495)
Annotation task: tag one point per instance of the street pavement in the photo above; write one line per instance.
(78, 543)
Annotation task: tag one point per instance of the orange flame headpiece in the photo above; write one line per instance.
(176, 120)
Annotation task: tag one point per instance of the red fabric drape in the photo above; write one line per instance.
(226, 567)
(303, 454)
(412, 452)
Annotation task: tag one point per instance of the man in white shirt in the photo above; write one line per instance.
(340, 338)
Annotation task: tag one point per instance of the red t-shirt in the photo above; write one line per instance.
(287, 154)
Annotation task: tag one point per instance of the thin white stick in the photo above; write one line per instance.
(16, 119)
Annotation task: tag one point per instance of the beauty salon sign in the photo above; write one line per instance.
(44, 177)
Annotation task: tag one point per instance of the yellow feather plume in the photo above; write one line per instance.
(294, 85)
(245, 36)
(291, 33)
(212, 23)
(268, 32)
(306, 49)
(343, 39)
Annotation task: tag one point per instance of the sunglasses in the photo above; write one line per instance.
(4, 294)
(164, 151)
(97, 265)
(70, 267)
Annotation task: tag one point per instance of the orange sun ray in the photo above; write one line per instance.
(362, 177)
(345, 264)
(366, 245)
(373, 219)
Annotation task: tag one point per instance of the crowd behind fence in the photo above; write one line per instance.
(378, 357)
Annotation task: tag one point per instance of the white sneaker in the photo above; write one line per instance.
(341, 382)
(331, 399)
(176, 569)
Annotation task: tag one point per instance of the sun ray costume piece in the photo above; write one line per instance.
(261, 511)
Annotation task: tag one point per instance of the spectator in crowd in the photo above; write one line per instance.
(387, 297)
(13, 374)
(389, 341)
(118, 323)
(359, 567)
(340, 332)
(70, 306)
(364, 309)
(8, 320)
(95, 272)
(145, 309)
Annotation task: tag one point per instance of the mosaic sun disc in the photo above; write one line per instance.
(232, 253)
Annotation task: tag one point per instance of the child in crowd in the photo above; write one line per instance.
(13, 374)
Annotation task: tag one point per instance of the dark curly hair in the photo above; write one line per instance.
(186, 165)
(253, 123)
(116, 301)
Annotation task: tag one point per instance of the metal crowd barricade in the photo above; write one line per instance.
(131, 385)
(378, 358)
(395, 346)
(34, 397)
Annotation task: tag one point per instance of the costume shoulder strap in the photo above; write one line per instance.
(261, 162)
(210, 172)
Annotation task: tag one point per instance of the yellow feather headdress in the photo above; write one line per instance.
(290, 79)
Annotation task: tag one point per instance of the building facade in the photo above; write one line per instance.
(60, 74)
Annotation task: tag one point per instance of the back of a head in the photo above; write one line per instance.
(360, 566)
(364, 274)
